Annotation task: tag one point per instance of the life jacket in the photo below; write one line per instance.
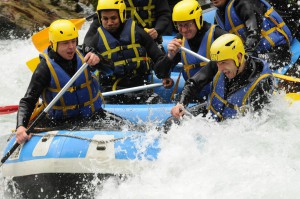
(142, 12)
(193, 64)
(82, 99)
(129, 57)
(274, 30)
(222, 108)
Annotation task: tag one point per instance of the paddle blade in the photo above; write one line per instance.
(41, 39)
(8, 109)
(285, 77)
(292, 97)
(33, 63)
(78, 22)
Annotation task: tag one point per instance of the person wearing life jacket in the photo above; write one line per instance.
(152, 15)
(289, 10)
(240, 82)
(194, 34)
(261, 28)
(129, 47)
(58, 63)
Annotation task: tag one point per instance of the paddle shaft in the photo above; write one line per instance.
(7, 109)
(133, 89)
(285, 77)
(45, 111)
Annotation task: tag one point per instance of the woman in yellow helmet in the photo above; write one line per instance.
(239, 82)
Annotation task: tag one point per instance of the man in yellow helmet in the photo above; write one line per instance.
(194, 34)
(152, 15)
(130, 48)
(239, 82)
(58, 64)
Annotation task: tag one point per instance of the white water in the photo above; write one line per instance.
(252, 157)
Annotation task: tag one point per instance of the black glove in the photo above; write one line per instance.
(252, 41)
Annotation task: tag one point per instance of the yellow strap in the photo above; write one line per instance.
(134, 13)
(234, 29)
(37, 110)
(108, 49)
(72, 107)
(183, 53)
(116, 83)
(279, 26)
(252, 87)
(55, 80)
(209, 39)
(135, 59)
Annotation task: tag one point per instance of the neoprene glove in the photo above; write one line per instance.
(252, 40)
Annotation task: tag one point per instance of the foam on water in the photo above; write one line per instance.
(251, 157)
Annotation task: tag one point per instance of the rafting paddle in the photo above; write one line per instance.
(8, 109)
(41, 39)
(45, 111)
(285, 77)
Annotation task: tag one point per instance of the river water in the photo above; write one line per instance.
(255, 157)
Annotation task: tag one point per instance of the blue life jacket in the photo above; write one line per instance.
(222, 108)
(142, 12)
(129, 57)
(81, 100)
(193, 64)
(274, 30)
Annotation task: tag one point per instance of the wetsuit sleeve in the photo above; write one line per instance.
(162, 67)
(251, 12)
(40, 79)
(163, 16)
(161, 64)
(196, 83)
(260, 96)
(218, 32)
(104, 63)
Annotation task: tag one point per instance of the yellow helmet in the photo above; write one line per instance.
(61, 30)
(112, 5)
(227, 46)
(188, 10)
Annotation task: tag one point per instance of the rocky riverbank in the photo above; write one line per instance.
(20, 18)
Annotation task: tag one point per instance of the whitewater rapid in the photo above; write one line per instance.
(257, 156)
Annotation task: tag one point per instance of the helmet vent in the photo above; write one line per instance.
(191, 12)
(229, 43)
(61, 32)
